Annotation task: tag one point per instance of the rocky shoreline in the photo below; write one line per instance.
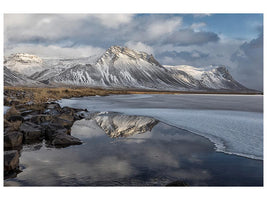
(35, 123)
(32, 121)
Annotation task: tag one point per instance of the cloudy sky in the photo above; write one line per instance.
(233, 40)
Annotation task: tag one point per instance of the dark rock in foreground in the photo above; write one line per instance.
(65, 140)
(31, 123)
(31, 131)
(13, 139)
(15, 118)
(11, 162)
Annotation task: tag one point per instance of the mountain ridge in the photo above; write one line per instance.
(121, 67)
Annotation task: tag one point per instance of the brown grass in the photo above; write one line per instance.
(41, 95)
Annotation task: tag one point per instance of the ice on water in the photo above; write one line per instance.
(234, 131)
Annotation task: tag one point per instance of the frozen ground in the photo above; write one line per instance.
(233, 122)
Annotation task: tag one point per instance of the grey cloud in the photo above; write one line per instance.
(249, 59)
(87, 34)
(50, 29)
(93, 30)
(219, 53)
(187, 37)
(185, 55)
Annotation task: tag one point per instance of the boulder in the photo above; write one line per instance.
(41, 118)
(13, 139)
(14, 118)
(68, 111)
(62, 122)
(11, 126)
(28, 112)
(66, 117)
(53, 109)
(11, 160)
(65, 140)
(31, 131)
(51, 112)
(51, 132)
(53, 106)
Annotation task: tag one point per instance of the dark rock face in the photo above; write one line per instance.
(62, 122)
(13, 139)
(31, 123)
(15, 118)
(31, 132)
(38, 119)
(50, 122)
(53, 106)
(62, 139)
(11, 160)
(52, 130)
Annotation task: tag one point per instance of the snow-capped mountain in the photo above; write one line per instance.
(211, 77)
(12, 78)
(23, 63)
(42, 68)
(121, 67)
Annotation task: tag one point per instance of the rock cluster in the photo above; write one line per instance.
(33, 123)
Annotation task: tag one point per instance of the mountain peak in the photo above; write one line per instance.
(23, 63)
(23, 58)
(126, 51)
(115, 52)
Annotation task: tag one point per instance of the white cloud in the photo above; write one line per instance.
(114, 20)
(139, 46)
(53, 51)
(202, 15)
(197, 26)
(161, 27)
(219, 53)
(29, 27)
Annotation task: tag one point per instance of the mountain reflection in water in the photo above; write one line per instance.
(118, 125)
(139, 151)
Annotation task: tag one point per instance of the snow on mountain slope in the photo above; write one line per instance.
(15, 79)
(210, 77)
(121, 68)
(42, 69)
(23, 63)
(53, 67)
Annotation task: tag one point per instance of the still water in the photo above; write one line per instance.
(129, 150)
